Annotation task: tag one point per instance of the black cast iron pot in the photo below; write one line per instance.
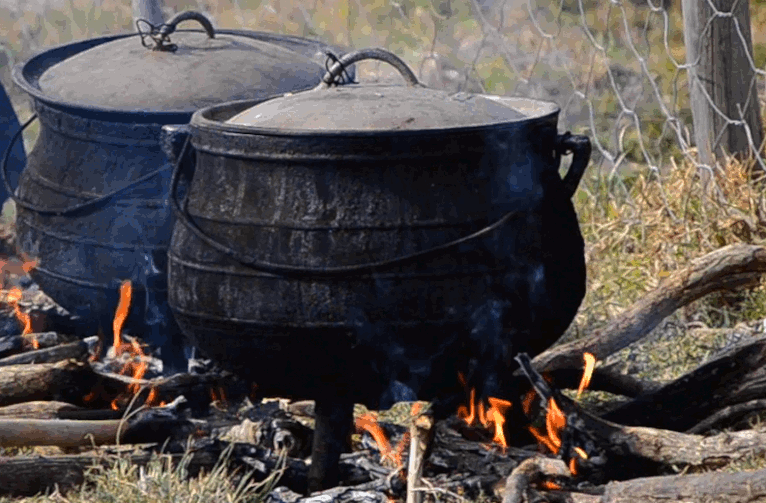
(92, 201)
(351, 243)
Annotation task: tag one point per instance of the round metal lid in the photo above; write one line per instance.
(385, 107)
(198, 69)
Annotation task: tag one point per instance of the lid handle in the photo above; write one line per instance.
(330, 78)
(161, 34)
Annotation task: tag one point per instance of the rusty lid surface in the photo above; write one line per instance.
(204, 69)
(385, 107)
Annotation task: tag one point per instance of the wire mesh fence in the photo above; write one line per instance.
(617, 68)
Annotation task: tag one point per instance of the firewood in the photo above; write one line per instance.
(420, 437)
(277, 433)
(62, 433)
(721, 487)
(78, 350)
(146, 426)
(530, 471)
(729, 268)
(733, 377)
(37, 410)
(617, 451)
(605, 379)
(195, 387)
(728, 414)
(67, 381)
(369, 493)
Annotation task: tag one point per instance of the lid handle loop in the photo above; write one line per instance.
(161, 34)
(331, 77)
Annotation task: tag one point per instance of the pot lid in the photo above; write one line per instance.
(385, 107)
(198, 69)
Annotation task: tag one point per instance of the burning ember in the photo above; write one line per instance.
(369, 423)
(555, 421)
(491, 418)
(13, 296)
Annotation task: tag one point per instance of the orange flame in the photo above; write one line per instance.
(590, 364)
(368, 423)
(526, 403)
(494, 417)
(555, 421)
(137, 366)
(121, 314)
(12, 297)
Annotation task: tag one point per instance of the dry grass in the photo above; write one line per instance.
(161, 482)
(640, 228)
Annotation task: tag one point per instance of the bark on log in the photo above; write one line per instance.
(66, 381)
(699, 394)
(79, 351)
(719, 487)
(730, 268)
(62, 433)
(37, 410)
(727, 415)
(154, 425)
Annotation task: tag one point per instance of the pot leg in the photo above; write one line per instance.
(331, 434)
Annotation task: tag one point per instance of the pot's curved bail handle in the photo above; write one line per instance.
(4, 165)
(580, 148)
(161, 34)
(392, 59)
(170, 27)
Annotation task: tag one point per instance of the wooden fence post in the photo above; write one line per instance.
(721, 73)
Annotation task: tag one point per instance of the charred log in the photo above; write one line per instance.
(79, 351)
(531, 471)
(697, 395)
(615, 452)
(605, 379)
(66, 381)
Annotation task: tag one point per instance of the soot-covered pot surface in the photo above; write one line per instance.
(366, 243)
(92, 200)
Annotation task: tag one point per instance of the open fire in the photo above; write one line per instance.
(555, 420)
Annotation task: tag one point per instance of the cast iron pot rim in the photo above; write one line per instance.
(26, 75)
(201, 120)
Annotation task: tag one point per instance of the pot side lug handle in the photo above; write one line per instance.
(172, 140)
(580, 148)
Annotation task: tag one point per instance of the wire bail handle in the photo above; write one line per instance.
(331, 78)
(161, 34)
